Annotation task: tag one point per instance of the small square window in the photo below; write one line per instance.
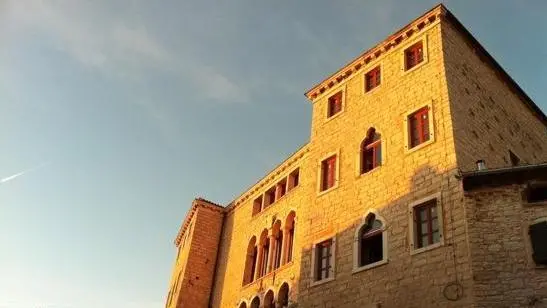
(536, 193)
(418, 127)
(334, 104)
(414, 55)
(328, 173)
(323, 260)
(426, 224)
(373, 78)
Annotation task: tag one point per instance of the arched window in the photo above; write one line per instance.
(283, 296)
(264, 252)
(256, 302)
(278, 244)
(250, 262)
(289, 231)
(370, 243)
(371, 151)
(269, 300)
(242, 305)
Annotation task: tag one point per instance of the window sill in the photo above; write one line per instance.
(426, 248)
(320, 282)
(369, 266)
(369, 172)
(322, 192)
(328, 119)
(420, 146)
(372, 90)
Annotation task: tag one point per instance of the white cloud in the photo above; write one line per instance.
(102, 39)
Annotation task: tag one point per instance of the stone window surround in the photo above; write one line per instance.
(330, 93)
(357, 243)
(320, 175)
(403, 49)
(409, 150)
(412, 226)
(525, 196)
(313, 260)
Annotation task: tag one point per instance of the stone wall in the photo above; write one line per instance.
(489, 117)
(504, 273)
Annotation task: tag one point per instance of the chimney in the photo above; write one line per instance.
(481, 165)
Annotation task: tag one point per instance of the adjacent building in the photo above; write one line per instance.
(423, 184)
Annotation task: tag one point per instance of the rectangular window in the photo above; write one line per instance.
(281, 188)
(372, 79)
(323, 260)
(418, 127)
(538, 234)
(334, 104)
(372, 156)
(536, 193)
(414, 55)
(294, 178)
(328, 173)
(257, 205)
(426, 224)
(269, 197)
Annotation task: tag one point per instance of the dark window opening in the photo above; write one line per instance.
(335, 104)
(418, 127)
(538, 236)
(278, 250)
(535, 193)
(371, 242)
(426, 222)
(281, 188)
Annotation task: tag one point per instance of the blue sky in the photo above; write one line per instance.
(123, 111)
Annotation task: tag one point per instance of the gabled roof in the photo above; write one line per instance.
(439, 12)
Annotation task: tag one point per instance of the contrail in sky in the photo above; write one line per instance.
(14, 176)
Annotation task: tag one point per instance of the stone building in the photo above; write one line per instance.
(385, 206)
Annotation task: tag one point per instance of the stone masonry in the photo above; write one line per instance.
(476, 111)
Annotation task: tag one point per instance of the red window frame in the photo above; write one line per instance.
(323, 253)
(371, 156)
(418, 127)
(414, 55)
(335, 104)
(373, 78)
(328, 173)
(431, 212)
